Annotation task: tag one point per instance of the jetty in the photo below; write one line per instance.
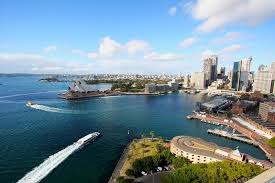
(203, 119)
(232, 136)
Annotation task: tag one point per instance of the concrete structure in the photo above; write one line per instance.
(198, 80)
(265, 177)
(150, 88)
(173, 85)
(242, 106)
(216, 105)
(271, 116)
(186, 82)
(264, 79)
(246, 64)
(257, 125)
(153, 88)
(210, 64)
(265, 108)
(80, 86)
(199, 151)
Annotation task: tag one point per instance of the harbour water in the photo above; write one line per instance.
(28, 136)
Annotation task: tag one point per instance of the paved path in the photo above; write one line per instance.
(119, 165)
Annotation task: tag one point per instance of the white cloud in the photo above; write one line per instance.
(50, 48)
(137, 46)
(172, 11)
(232, 48)
(164, 57)
(108, 47)
(188, 42)
(229, 36)
(216, 14)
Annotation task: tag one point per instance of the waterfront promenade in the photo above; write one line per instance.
(270, 152)
(123, 158)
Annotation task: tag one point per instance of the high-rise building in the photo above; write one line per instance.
(240, 75)
(198, 80)
(222, 71)
(246, 63)
(186, 82)
(236, 75)
(210, 69)
(264, 79)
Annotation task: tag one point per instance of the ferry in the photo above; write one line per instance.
(29, 103)
(87, 138)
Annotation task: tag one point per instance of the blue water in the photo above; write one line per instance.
(28, 136)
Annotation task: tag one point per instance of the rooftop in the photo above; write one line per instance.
(198, 146)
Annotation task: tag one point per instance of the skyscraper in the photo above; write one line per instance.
(210, 69)
(198, 80)
(222, 71)
(264, 79)
(236, 76)
(241, 71)
(246, 63)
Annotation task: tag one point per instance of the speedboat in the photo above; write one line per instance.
(29, 103)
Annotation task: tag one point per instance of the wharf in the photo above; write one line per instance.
(207, 119)
(232, 136)
(269, 151)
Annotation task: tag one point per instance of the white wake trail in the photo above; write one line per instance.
(54, 109)
(26, 94)
(41, 171)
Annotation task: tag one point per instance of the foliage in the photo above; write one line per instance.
(150, 163)
(179, 162)
(130, 172)
(122, 179)
(271, 142)
(225, 171)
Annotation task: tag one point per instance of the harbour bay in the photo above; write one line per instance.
(29, 136)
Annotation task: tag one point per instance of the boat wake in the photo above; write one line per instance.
(56, 110)
(41, 171)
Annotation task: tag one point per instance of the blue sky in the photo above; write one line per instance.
(165, 36)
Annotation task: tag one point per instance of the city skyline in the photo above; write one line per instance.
(133, 37)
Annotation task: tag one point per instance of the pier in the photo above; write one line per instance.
(237, 137)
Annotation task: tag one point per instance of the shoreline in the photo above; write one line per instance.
(120, 163)
(270, 152)
(75, 96)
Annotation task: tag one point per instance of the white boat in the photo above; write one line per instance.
(29, 103)
(87, 138)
